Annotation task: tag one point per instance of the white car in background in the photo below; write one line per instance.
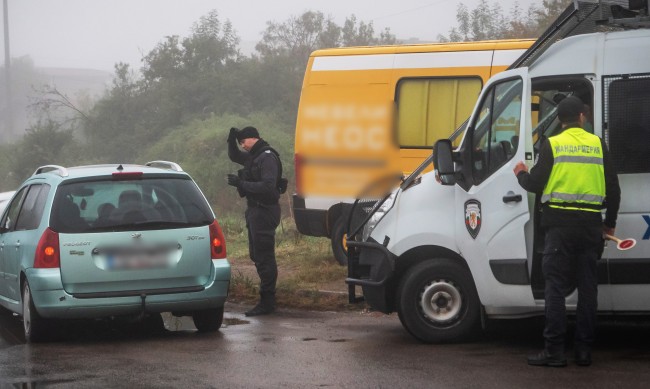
(4, 199)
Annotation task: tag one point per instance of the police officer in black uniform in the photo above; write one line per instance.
(258, 182)
(576, 179)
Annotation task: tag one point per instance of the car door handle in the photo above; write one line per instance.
(511, 196)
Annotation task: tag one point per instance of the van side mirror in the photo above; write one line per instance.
(443, 162)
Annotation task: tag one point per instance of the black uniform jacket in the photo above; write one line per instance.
(261, 172)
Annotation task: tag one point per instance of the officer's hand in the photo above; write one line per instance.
(234, 180)
(232, 136)
(520, 167)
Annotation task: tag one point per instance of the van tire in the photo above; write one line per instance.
(338, 235)
(208, 320)
(35, 326)
(438, 302)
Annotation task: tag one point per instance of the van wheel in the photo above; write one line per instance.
(34, 325)
(339, 238)
(438, 302)
(208, 320)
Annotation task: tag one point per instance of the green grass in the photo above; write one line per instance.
(306, 268)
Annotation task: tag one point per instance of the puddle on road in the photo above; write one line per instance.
(185, 323)
(233, 321)
(34, 384)
(330, 340)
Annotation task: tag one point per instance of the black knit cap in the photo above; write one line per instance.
(569, 109)
(247, 132)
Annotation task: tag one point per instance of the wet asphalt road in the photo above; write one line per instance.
(307, 349)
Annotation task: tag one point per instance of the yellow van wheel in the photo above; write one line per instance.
(339, 236)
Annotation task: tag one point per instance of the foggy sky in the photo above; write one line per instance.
(96, 34)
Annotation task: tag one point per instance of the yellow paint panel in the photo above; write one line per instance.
(352, 119)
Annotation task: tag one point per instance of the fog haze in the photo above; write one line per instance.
(96, 34)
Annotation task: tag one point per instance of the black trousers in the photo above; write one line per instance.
(261, 222)
(570, 260)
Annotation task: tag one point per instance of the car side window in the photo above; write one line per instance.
(32, 208)
(10, 217)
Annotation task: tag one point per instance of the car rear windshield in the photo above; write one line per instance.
(147, 203)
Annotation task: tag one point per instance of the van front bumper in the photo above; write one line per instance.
(371, 266)
(52, 301)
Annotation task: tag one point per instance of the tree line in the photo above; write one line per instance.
(190, 90)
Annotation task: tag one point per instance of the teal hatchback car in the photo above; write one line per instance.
(108, 241)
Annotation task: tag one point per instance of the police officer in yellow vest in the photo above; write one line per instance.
(576, 181)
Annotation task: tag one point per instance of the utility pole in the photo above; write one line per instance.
(9, 116)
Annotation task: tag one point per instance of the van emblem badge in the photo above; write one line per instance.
(473, 217)
(136, 235)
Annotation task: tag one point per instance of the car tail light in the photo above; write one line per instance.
(297, 163)
(47, 252)
(217, 241)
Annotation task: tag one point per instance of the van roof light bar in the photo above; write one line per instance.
(165, 165)
(60, 170)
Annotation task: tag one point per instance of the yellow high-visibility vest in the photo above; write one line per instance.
(577, 180)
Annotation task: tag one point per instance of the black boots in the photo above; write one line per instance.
(264, 307)
(544, 358)
(583, 357)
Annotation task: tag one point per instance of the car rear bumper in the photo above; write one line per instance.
(52, 301)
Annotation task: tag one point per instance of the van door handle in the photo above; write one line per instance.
(511, 196)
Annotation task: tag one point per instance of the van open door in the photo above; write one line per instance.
(493, 210)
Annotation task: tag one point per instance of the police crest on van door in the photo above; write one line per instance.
(473, 217)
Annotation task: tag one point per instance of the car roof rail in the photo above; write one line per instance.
(165, 165)
(60, 170)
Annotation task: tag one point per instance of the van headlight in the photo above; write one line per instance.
(378, 215)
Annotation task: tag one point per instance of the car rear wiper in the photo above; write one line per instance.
(149, 224)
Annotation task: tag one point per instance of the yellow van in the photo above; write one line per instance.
(367, 113)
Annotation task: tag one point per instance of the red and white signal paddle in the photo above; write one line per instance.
(622, 244)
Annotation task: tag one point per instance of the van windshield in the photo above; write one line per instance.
(107, 205)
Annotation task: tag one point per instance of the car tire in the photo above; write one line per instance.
(438, 302)
(35, 327)
(338, 238)
(208, 320)
(152, 324)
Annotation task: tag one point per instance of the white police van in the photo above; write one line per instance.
(449, 248)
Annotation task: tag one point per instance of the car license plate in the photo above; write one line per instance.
(137, 261)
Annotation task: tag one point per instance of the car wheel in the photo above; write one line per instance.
(152, 324)
(208, 320)
(35, 327)
(338, 238)
(438, 302)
